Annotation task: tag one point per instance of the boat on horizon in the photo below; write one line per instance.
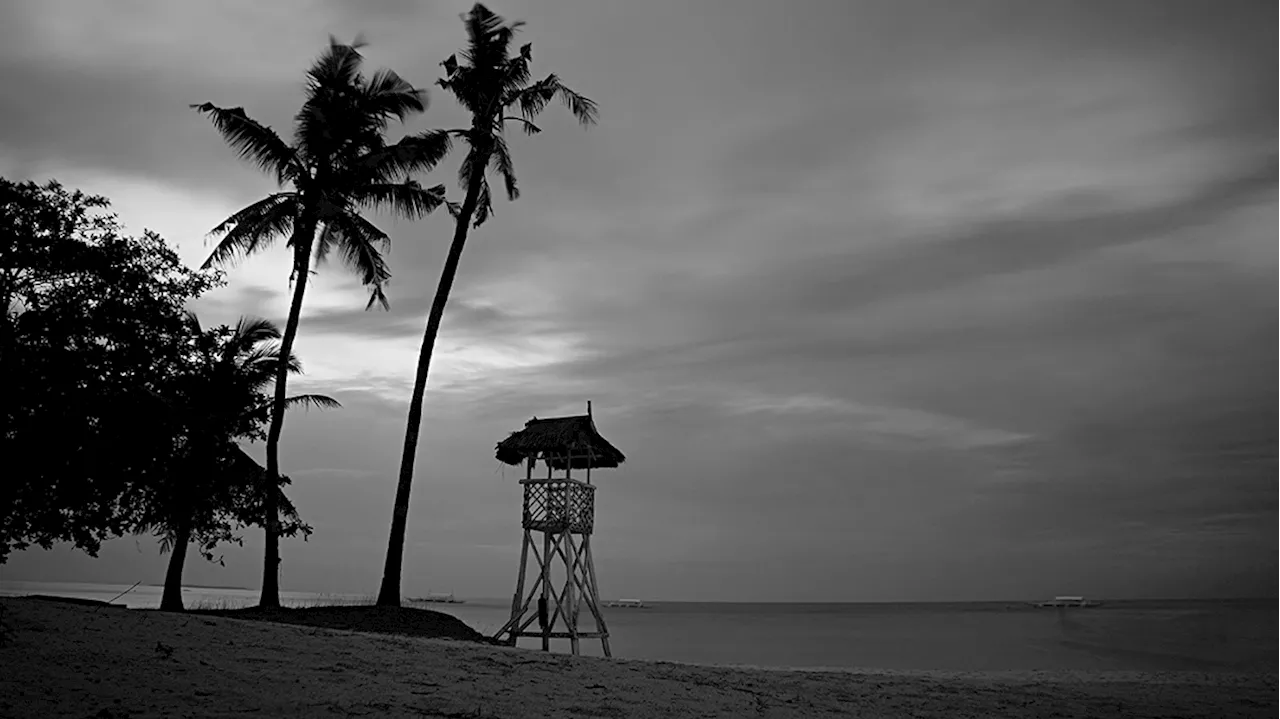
(438, 599)
(627, 604)
(1065, 601)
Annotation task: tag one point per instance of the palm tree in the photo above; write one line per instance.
(496, 88)
(338, 164)
(212, 485)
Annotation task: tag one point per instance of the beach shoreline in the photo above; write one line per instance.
(75, 660)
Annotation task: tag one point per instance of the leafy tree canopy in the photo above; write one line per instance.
(94, 328)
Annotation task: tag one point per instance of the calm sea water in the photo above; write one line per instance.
(1200, 635)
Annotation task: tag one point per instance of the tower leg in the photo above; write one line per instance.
(594, 590)
(570, 605)
(546, 585)
(517, 601)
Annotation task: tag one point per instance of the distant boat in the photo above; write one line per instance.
(438, 599)
(627, 604)
(1069, 601)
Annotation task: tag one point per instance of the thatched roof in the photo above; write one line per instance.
(560, 436)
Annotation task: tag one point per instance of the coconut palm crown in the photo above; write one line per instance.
(497, 88)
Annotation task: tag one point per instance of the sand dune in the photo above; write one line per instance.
(65, 660)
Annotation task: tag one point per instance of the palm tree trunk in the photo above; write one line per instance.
(271, 507)
(389, 593)
(171, 600)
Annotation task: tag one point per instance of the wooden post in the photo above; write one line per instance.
(518, 598)
(546, 585)
(595, 590)
(571, 562)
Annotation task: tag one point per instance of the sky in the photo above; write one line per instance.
(882, 300)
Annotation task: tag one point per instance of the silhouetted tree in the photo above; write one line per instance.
(496, 88)
(338, 164)
(94, 324)
(213, 488)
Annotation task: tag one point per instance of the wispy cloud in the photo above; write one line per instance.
(964, 292)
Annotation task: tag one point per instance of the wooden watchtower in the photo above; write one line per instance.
(561, 508)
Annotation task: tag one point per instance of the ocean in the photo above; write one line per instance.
(1131, 635)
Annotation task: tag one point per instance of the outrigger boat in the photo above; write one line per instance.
(627, 604)
(1069, 601)
(438, 599)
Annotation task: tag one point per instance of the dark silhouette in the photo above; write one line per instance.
(338, 165)
(489, 83)
(122, 415)
(213, 487)
(93, 329)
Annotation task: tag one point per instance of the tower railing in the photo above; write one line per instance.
(559, 505)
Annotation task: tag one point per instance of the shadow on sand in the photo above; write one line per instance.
(404, 621)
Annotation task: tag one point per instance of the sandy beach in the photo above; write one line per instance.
(66, 660)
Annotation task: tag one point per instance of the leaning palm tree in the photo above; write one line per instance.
(211, 486)
(338, 165)
(496, 88)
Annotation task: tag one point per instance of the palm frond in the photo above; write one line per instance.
(515, 75)
(260, 363)
(582, 107)
(330, 112)
(478, 81)
(533, 99)
(414, 153)
(471, 164)
(361, 244)
(253, 227)
(387, 95)
(501, 158)
(325, 238)
(528, 127)
(407, 199)
(484, 204)
(307, 401)
(252, 140)
(192, 322)
(377, 296)
(251, 331)
(337, 67)
(488, 35)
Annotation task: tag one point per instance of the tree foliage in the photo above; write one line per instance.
(94, 326)
(122, 414)
(212, 489)
(216, 400)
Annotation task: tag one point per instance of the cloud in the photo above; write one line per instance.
(964, 295)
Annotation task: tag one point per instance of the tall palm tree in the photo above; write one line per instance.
(497, 88)
(338, 164)
(217, 399)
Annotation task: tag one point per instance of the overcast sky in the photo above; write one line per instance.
(882, 300)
